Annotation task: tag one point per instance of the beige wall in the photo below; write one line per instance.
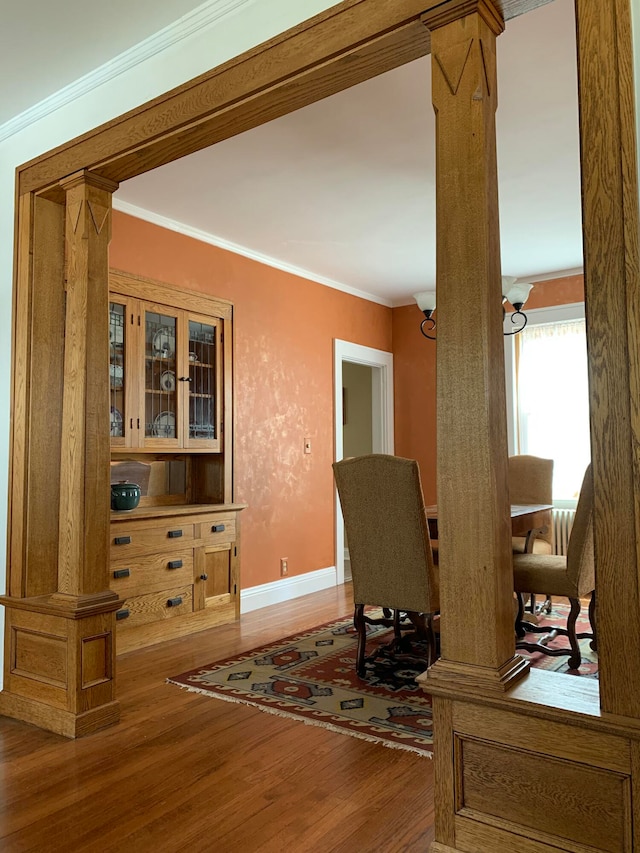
(357, 433)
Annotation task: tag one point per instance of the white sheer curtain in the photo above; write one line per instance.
(553, 401)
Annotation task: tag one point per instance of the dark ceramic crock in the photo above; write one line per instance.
(125, 496)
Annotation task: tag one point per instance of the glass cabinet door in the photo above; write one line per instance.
(120, 416)
(160, 413)
(203, 383)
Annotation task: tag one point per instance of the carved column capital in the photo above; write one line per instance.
(456, 10)
(85, 177)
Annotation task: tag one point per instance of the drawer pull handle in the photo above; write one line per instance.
(122, 614)
(174, 564)
(122, 573)
(122, 540)
(174, 534)
(174, 602)
(217, 528)
(204, 577)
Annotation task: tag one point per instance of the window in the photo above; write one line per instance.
(550, 397)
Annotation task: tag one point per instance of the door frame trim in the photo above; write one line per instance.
(382, 399)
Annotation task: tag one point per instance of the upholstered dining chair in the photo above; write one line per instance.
(572, 576)
(391, 560)
(531, 482)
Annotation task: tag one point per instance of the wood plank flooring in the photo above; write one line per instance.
(182, 771)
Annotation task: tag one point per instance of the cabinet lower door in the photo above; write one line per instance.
(216, 582)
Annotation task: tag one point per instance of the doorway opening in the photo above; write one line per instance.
(363, 406)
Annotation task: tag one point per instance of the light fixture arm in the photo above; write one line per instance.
(512, 292)
(517, 313)
(428, 319)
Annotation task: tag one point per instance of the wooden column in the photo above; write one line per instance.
(84, 465)
(60, 614)
(612, 291)
(37, 380)
(575, 746)
(476, 587)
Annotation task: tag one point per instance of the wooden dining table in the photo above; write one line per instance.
(527, 520)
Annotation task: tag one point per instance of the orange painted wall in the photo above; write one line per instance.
(415, 376)
(557, 291)
(284, 332)
(284, 327)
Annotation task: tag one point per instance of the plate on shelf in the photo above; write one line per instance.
(117, 375)
(164, 344)
(201, 431)
(164, 425)
(116, 423)
(116, 334)
(168, 381)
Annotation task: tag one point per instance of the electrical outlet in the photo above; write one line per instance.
(284, 566)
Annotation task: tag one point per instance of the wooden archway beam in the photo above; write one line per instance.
(343, 46)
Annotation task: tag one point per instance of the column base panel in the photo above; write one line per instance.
(56, 719)
(517, 781)
(447, 675)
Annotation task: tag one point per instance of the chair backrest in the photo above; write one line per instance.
(580, 562)
(389, 546)
(531, 482)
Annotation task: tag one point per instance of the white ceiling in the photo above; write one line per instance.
(343, 190)
(70, 38)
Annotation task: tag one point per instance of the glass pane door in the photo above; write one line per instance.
(160, 378)
(203, 387)
(117, 389)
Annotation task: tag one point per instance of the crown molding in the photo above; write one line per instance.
(221, 243)
(549, 276)
(203, 16)
(534, 279)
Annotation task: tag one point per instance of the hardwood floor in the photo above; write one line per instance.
(182, 771)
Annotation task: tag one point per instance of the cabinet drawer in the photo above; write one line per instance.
(144, 540)
(218, 529)
(155, 606)
(152, 573)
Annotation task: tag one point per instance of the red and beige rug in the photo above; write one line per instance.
(311, 677)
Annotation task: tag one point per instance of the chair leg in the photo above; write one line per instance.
(520, 629)
(592, 621)
(431, 640)
(576, 658)
(546, 605)
(397, 631)
(423, 625)
(361, 628)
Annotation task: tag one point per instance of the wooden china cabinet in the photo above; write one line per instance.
(175, 558)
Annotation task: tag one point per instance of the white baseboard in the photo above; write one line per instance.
(276, 592)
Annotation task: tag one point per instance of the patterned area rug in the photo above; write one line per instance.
(311, 677)
(558, 616)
